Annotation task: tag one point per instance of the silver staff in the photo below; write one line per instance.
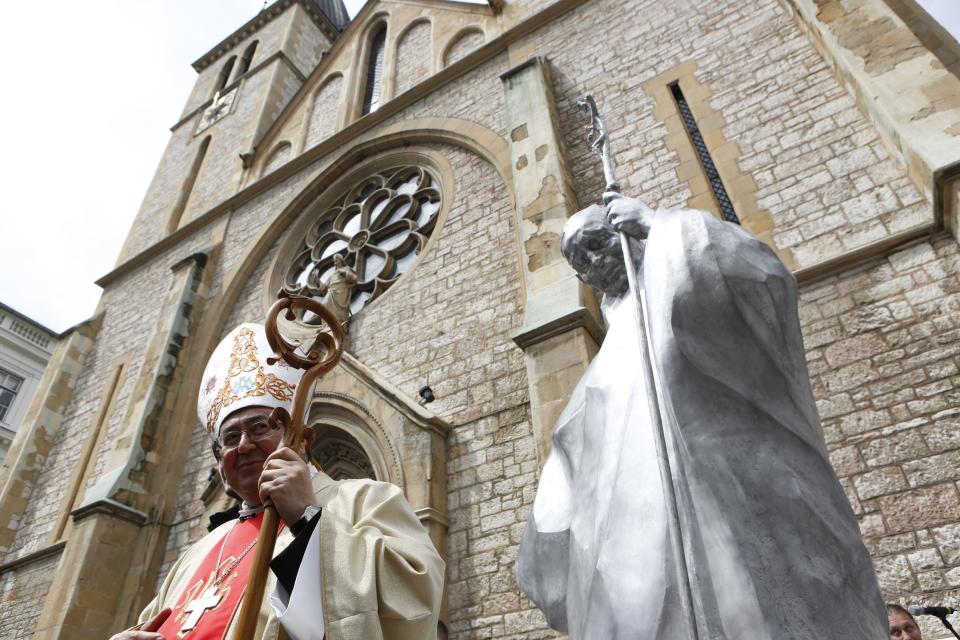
(601, 145)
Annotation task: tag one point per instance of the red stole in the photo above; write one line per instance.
(203, 612)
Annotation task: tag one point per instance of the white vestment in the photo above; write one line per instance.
(379, 573)
(773, 548)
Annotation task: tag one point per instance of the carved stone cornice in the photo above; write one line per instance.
(110, 508)
(35, 556)
(579, 318)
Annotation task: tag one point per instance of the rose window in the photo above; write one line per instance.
(379, 227)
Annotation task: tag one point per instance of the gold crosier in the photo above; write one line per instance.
(318, 358)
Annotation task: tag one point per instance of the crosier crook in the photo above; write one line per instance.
(601, 145)
(328, 343)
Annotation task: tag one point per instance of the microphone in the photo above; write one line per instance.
(940, 612)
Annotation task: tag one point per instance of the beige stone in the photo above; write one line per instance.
(489, 315)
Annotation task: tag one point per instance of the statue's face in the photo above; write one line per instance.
(595, 254)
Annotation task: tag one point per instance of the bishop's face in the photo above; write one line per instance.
(241, 465)
(596, 256)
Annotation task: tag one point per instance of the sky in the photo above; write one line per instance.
(90, 91)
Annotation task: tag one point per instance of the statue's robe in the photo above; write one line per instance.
(369, 570)
(773, 548)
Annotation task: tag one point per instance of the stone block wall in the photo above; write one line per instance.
(414, 57)
(323, 112)
(304, 42)
(131, 310)
(820, 168)
(883, 345)
(21, 594)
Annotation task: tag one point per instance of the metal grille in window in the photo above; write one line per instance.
(379, 227)
(709, 168)
(9, 386)
(371, 96)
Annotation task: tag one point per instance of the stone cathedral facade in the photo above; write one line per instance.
(437, 146)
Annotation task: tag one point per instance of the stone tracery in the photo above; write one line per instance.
(378, 227)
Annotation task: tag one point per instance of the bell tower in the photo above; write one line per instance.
(243, 84)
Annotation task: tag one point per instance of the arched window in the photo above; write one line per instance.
(463, 43)
(341, 457)
(247, 58)
(413, 56)
(378, 228)
(371, 96)
(224, 77)
(323, 115)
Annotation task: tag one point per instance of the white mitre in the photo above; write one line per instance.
(238, 376)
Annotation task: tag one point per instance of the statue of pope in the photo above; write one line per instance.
(773, 548)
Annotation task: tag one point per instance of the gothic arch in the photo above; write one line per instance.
(419, 437)
(413, 59)
(336, 189)
(247, 59)
(341, 456)
(323, 119)
(277, 157)
(404, 442)
(358, 75)
(224, 77)
(465, 41)
(332, 412)
(475, 138)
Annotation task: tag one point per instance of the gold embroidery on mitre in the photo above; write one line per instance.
(244, 362)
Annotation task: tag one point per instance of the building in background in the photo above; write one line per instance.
(438, 147)
(25, 349)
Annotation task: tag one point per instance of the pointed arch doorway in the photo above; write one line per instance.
(340, 455)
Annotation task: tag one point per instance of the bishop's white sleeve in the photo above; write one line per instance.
(300, 611)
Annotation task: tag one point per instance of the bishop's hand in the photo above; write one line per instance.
(630, 216)
(146, 631)
(285, 480)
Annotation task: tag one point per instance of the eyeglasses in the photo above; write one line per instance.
(255, 433)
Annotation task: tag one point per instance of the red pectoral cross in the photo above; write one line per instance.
(200, 606)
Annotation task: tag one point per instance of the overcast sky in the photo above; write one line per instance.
(91, 89)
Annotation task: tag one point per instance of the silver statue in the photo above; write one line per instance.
(688, 493)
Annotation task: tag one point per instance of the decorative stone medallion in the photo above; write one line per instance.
(379, 227)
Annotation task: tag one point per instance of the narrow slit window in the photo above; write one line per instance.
(247, 58)
(706, 161)
(224, 77)
(373, 89)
